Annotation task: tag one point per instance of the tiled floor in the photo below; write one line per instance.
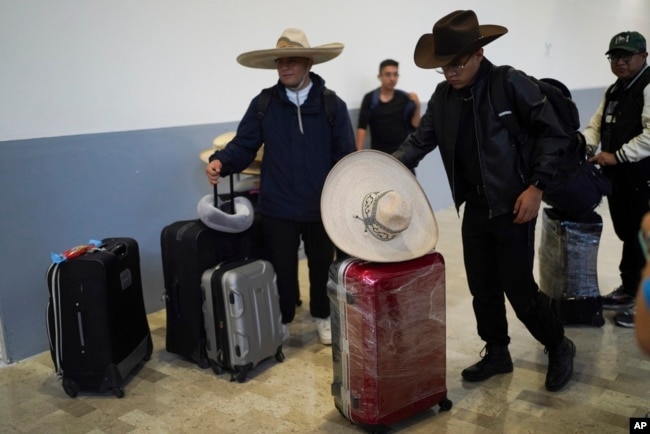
(169, 395)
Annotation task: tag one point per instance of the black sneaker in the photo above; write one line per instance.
(495, 360)
(560, 365)
(617, 299)
(625, 318)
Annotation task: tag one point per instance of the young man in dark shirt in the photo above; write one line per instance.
(390, 113)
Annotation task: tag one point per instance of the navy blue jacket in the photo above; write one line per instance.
(295, 164)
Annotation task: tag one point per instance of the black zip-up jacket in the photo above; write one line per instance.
(506, 167)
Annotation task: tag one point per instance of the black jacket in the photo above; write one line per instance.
(628, 115)
(506, 168)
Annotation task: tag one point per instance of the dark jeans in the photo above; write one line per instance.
(627, 205)
(282, 240)
(499, 258)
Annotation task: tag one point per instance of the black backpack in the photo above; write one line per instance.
(408, 108)
(578, 186)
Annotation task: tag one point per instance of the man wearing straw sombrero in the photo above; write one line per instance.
(301, 144)
(484, 171)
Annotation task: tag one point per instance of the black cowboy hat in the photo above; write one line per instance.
(453, 36)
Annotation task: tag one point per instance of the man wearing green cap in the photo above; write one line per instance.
(621, 126)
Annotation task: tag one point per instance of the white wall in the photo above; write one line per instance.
(74, 67)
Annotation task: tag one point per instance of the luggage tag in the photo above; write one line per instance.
(75, 251)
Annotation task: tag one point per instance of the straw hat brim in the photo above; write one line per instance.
(347, 184)
(255, 168)
(221, 141)
(265, 59)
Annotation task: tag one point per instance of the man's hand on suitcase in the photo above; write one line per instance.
(213, 170)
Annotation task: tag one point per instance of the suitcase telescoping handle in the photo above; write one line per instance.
(229, 207)
(118, 249)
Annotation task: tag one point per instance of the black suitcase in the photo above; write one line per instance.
(188, 248)
(243, 321)
(568, 259)
(97, 324)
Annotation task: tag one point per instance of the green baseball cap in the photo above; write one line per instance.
(634, 42)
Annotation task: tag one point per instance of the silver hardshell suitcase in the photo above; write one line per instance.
(243, 323)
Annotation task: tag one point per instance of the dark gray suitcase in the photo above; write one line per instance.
(243, 323)
(568, 259)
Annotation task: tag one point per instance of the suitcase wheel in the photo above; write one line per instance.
(70, 387)
(376, 429)
(597, 320)
(119, 392)
(215, 367)
(147, 356)
(203, 363)
(241, 373)
(279, 356)
(445, 404)
(240, 376)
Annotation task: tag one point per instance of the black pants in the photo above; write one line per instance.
(282, 240)
(627, 205)
(499, 258)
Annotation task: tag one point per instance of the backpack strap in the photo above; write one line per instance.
(329, 101)
(374, 101)
(502, 107)
(264, 101)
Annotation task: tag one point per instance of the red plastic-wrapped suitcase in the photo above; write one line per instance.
(388, 339)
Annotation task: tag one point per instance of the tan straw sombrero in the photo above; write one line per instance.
(374, 209)
(292, 43)
(221, 141)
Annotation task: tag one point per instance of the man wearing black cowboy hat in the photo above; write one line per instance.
(485, 173)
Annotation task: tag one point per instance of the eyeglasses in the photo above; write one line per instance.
(454, 68)
(613, 58)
